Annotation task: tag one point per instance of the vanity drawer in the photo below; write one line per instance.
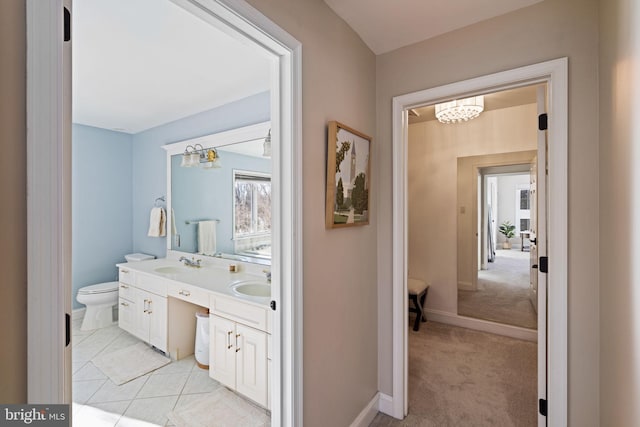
(125, 276)
(189, 293)
(248, 314)
(126, 291)
(152, 284)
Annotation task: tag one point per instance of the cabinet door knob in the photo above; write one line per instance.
(124, 271)
(185, 293)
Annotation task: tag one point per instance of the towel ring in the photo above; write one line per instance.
(158, 202)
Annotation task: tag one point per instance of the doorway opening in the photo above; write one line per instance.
(554, 74)
(503, 276)
(461, 160)
(49, 259)
(501, 273)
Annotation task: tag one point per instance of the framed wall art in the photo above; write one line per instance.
(348, 176)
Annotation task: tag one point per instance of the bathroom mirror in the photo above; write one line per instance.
(223, 210)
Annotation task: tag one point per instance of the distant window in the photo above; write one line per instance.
(252, 204)
(523, 208)
(525, 203)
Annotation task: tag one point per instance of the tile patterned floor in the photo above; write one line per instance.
(145, 401)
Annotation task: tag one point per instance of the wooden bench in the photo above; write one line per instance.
(418, 290)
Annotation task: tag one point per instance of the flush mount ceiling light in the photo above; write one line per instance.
(197, 155)
(460, 110)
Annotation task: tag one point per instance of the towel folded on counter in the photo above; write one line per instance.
(157, 222)
(207, 237)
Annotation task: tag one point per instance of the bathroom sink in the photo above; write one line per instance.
(170, 270)
(251, 288)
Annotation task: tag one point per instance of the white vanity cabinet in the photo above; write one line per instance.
(238, 348)
(143, 307)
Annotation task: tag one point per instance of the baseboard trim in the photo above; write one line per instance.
(482, 325)
(368, 413)
(385, 404)
(78, 313)
(465, 286)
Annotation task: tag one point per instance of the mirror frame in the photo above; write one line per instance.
(249, 133)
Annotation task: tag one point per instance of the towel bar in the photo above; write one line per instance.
(195, 221)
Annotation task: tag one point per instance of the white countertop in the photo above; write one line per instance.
(210, 277)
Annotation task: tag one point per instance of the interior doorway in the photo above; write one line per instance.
(502, 275)
(48, 86)
(554, 73)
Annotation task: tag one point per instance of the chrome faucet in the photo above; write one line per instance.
(268, 274)
(190, 262)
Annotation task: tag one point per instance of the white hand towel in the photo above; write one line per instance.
(207, 237)
(157, 222)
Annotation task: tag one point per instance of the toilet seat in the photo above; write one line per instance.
(99, 288)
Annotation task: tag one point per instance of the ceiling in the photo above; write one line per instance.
(492, 101)
(138, 64)
(386, 25)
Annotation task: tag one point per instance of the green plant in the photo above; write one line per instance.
(507, 229)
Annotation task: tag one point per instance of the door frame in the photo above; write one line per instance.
(49, 196)
(555, 74)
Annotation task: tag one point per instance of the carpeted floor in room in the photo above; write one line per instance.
(503, 292)
(460, 377)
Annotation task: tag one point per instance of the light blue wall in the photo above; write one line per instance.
(116, 178)
(101, 204)
(149, 158)
(208, 194)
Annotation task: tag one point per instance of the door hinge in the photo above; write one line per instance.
(542, 121)
(67, 329)
(544, 264)
(67, 25)
(272, 304)
(542, 407)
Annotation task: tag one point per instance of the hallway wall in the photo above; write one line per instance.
(340, 319)
(562, 28)
(619, 212)
(13, 183)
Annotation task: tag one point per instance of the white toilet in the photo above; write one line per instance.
(101, 299)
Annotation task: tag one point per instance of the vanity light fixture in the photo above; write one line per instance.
(460, 110)
(266, 146)
(196, 155)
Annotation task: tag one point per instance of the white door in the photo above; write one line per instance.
(251, 377)
(541, 251)
(222, 351)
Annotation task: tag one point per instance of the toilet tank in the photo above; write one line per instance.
(138, 257)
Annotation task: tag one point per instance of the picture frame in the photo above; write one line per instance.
(348, 177)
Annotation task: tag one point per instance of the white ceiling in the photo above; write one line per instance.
(138, 64)
(385, 25)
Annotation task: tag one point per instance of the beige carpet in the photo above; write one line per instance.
(503, 292)
(460, 377)
(221, 408)
(129, 363)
